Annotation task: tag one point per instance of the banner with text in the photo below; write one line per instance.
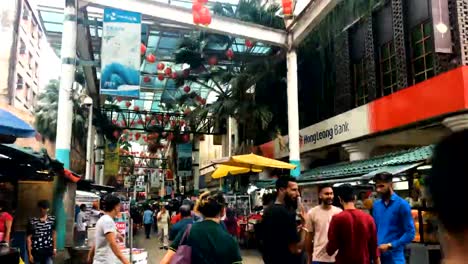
(111, 159)
(120, 53)
(184, 159)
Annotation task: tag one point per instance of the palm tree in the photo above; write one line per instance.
(233, 80)
(46, 114)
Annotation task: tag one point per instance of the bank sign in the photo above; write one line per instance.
(340, 128)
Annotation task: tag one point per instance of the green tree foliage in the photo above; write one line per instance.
(46, 114)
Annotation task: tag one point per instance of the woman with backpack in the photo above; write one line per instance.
(207, 241)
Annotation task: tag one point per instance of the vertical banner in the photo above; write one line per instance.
(120, 53)
(184, 159)
(441, 23)
(111, 159)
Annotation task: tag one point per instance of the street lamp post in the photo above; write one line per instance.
(88, 102)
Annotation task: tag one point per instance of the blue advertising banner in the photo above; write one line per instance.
(120, 53)
(184, 159)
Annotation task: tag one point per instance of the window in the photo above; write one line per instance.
(26, 13)
(19, 82)
(422, 52)
(33, 102)
(30, 58)
(388, 71)
(36, 69)
(22, 49)
(360, 84)
(26, 92)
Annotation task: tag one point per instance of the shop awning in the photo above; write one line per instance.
(394, 170)
(391, 161)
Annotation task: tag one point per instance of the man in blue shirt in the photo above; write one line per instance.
(148, 221)
(186, 220)
(392, 215)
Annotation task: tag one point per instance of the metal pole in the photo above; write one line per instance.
(196, 164)
(65, 112)
(89, 145)
(99, 164)
(293, 113)
(130, 234)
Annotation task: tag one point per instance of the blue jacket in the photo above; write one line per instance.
(394, 225)
(148, 217)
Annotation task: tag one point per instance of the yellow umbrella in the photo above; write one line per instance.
(224, 170)
(253, 161)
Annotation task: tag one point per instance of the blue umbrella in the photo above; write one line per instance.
(11, 125)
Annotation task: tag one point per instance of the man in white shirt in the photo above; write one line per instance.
(106, 246)
(317, 223)
(81, 224)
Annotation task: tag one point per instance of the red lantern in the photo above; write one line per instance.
(137, 136)
(155, 135)
(153, 122)
(142, 49)
(248, 43)
(116, 134)
(150, 58)
(123, 123)
(159, 117)
(140, 121)
(187, 89)
(187, 111)
(132, 124)
(174, 75)
(182, 122)
(203, 101)
(145, 138)
(167, 117)
(160, 76)
(148, 118)
(161, 66)
(230, 54)
(136, 108)
(119, 99)
(205, 16)
(287, 8)
(128, 104)
(198, 98)
(147, 79)
(212, 61)
(114, 121)
(185, 137)
(168, 71)
(201, 1)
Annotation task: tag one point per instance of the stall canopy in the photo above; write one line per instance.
(395, 163)
(225, 170)
(254, 162)
(12, 125)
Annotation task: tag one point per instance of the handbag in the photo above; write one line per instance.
(183, 254)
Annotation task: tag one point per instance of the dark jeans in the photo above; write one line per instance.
(42, 257)
(148, 230)
(80, 238)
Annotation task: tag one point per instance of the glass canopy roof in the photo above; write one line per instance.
(162, 39)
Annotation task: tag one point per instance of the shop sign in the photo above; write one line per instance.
(340, 128)
(111, 159)
(121, 226)
(184, 160)
(120, 53)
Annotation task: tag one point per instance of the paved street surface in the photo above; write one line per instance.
(155, 254)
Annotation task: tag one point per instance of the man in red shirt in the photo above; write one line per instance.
(352, 232)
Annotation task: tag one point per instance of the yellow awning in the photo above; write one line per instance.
(257, 162)
(224, 170)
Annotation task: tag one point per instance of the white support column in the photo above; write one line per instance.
(65, 113)
(196, 164)
(293, 113)
(456, 123)
(358, 150)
